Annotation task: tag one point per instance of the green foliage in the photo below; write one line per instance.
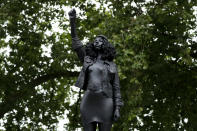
(156, 58)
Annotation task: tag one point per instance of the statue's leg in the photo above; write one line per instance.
(104, 126)
(90, 126)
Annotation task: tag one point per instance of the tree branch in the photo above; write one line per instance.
(47, 77)
(12, 98)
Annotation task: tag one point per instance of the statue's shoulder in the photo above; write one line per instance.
(88, 59)
(111, 63)
(112, 66)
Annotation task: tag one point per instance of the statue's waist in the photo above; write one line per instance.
(95, 91)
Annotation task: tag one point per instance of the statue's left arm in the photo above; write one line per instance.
(117, 95)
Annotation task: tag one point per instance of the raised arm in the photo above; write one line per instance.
(76, 43)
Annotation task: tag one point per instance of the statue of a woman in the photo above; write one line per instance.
(99, 78)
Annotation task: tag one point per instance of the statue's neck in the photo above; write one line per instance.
(99, 56)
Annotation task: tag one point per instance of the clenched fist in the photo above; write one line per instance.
(72, 13)
(116, 114)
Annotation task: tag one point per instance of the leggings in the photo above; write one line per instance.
(102, 126)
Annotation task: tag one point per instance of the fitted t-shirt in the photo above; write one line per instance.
(97, 74)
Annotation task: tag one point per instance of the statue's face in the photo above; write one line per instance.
(98, 42)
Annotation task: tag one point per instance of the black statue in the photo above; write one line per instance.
(99, 78)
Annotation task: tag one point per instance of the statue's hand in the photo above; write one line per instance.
(116, 114)
(72, 13)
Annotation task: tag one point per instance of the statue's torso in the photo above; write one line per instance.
(95, 106)
(97, 73)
